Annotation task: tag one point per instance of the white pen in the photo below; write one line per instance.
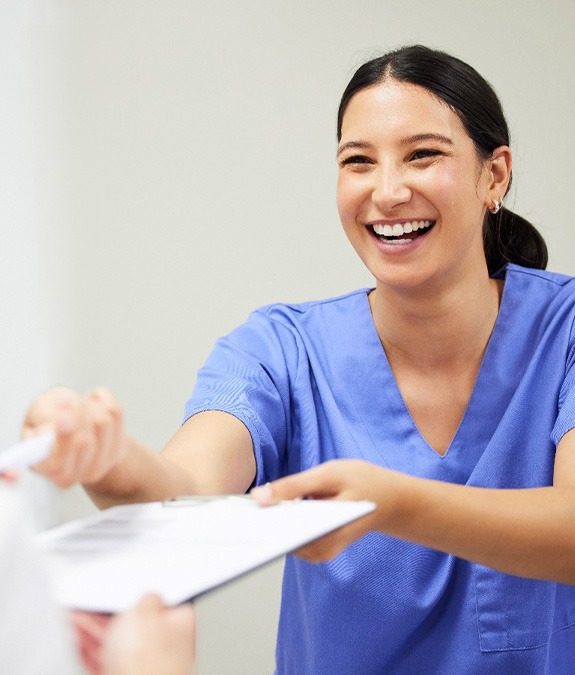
(27, 452)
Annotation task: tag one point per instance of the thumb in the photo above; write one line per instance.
(314, 483)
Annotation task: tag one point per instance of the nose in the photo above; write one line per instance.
(390, 188)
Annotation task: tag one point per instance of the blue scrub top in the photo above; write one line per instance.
(311, 382)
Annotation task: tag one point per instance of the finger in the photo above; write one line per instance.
(182, 619)
(69, 437)
(90, 630)
(9, 476)
(92, 624)
(97, 454)
(318, 483)
(108, 428)
(151, 602)
(319, 551)
(332, 544)
(107, 398)
(42, 411)
(75, 445)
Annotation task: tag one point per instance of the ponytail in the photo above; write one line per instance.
(508, 237)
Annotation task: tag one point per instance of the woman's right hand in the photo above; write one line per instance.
(90, 436)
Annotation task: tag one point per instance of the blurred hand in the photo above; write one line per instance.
(9, 476)
(150, 639)
(90, 631)
(341, 479)
(90, 436)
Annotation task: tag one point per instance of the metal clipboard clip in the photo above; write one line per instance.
(195, 500)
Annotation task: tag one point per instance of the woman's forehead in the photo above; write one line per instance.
(392, 106)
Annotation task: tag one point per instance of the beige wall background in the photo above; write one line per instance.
(169, 165)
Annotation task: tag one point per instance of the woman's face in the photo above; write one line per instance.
(412, 191)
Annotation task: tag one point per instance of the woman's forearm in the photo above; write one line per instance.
(525, 532)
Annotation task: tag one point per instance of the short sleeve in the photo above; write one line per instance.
(566, 403)
(248, 375)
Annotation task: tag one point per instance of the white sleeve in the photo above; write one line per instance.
(34, 634)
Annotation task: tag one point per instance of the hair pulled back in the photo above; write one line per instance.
(507, 237)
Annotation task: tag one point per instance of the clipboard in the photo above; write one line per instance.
(179, 549)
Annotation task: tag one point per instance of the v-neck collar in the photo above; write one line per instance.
(483, 410)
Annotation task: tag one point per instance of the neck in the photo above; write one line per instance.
(437, 327)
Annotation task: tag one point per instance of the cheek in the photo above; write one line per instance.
(455, 190)
(459, 202)
(342, 201)
(446, 182)
(348, 206)
(348, 199)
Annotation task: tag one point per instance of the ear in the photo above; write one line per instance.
(499, 174)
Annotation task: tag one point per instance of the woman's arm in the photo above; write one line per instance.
(211, 453)
(525, 532)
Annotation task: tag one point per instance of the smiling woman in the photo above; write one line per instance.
(445, 394)
(456, 85)
(417, 170)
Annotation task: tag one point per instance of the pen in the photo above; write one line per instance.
(27, 452)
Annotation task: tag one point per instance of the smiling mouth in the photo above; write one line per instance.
(401, 232)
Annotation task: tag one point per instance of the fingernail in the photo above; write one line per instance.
(65, 423)
(263, 493)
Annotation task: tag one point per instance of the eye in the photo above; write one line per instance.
(424, 153)
(355, 159)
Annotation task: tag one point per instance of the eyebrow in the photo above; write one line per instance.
(427, 137)
(352, 144)
(404, 141)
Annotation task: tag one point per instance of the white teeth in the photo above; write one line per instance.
(397, 229)
(384, 230)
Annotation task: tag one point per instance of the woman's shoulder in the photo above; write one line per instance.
(288, 330)
(538, 298)
(537, 288)
(344, 306)
(535, 277)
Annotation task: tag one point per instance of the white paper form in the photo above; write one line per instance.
(179, 549)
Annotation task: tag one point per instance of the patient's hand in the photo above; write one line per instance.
(149, 639)
(90, 436)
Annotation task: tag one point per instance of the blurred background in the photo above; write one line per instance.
(166, 166)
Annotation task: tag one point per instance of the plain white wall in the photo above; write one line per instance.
(24, 357)
(31, 299)
(185, 174)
